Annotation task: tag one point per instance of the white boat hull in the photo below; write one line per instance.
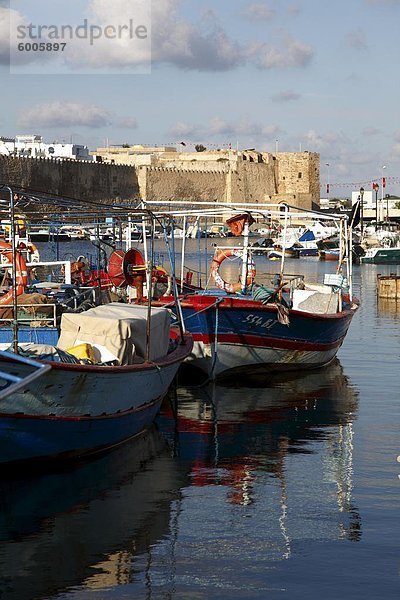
(235, 357)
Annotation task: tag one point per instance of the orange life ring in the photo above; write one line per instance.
(231, 288)
(32, 253)
(21, 274)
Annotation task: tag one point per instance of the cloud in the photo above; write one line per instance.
(259, 12)
(294, 9)
(125, 122)
(357, 39)
(202, 45)
(324, 142)
(243, 128)
(178, 42)
(6, 15)
(4, 36)
(291, 53)
(186, 130)
(370, 131)
(285, 96)
(122, 51)
(71, 114)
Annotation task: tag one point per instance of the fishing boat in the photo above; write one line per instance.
(111, 367)
(290, 324)
(110, 389)
(11, 383)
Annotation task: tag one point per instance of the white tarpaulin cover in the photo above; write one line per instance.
(120, 328)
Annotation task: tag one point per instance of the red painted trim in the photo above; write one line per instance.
(178, 355)
(199, 302)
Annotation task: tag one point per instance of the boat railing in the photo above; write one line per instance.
(64, 267)
(33, 315)
(12, 383)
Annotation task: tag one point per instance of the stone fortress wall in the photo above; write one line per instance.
(127, 174)
(222, 175)
(72, 178)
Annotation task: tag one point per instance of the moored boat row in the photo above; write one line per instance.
(112, 364)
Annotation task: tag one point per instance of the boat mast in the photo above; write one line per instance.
(183, 252)
(245, 256)
(284, 244)
(14, 272)
(149, 273)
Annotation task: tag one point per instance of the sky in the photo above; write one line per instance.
(284, 75)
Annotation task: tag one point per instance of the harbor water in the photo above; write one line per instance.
(281, 488)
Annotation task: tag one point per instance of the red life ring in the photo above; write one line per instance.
(21, 274)
(231, 288)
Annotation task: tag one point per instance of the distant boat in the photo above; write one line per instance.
(307, 244)
(381, 256)
(46, 234)
(292, 252)
(262, 246)
(329, 254)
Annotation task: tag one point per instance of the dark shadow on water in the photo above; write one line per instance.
(84, 525)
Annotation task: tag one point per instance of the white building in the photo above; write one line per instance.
(33, 146)
(368, 198)
(375, 206)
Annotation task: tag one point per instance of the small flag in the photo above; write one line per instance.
(327, 188)
(383, 182)
(355, 215)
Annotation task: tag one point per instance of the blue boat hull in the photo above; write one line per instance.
(24, 437)
(235, 334)
(76, 409)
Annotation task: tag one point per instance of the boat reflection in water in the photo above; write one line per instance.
(85, 526)
(140, 522)
(284, 451)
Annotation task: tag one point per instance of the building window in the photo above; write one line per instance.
(299, 175)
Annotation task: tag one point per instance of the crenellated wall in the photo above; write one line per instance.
(167, 183)
(223, 176)
(73, 178)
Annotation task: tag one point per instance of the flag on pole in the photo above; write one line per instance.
(355, 215)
